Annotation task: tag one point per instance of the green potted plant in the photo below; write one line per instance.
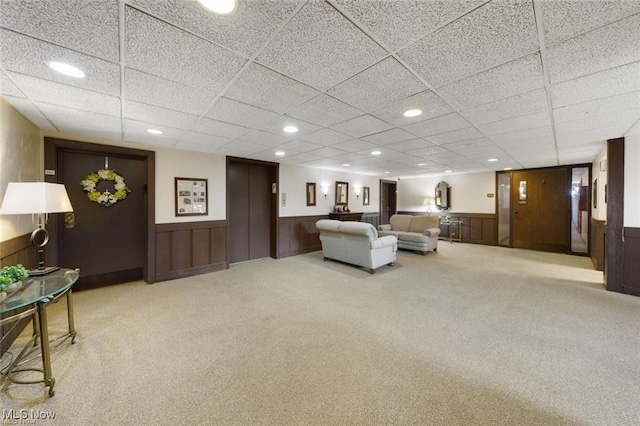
(10, 279)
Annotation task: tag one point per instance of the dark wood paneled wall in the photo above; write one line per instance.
(477, 228)
(15, 251)
(190, 248)
(597, 243)
(298, 234)
(631, 265)
(372, 218)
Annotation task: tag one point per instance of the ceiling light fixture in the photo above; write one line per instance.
(448, 171)
(412, 113)
(492, 160)
(376, 152)
(387, 171)
(508, 168)
(420, 164)
(66, 69)
(346, 165)
(280, 153)
(155, 131)
(290, 129)
(223, 7)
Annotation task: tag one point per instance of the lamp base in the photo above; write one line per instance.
(43, 271)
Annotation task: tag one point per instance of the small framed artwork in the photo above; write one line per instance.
(365, 196)
(522, 192)
(595, 193)
(311, 194)
(192, 196)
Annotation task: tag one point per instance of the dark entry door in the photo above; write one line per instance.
(251, 228)
(540, 209)
(106, 243)
(388, 201)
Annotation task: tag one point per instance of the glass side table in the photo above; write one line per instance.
(455, 229)
(36, 294)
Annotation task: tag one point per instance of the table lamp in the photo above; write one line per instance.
(430, 203)
(37, 198)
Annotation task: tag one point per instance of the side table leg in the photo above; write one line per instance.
(48, 379)
(72, 327)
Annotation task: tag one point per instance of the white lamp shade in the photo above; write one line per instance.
(35, 197)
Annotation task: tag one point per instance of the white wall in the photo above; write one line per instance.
(20, 161)
(293, 181)
(600, 212)
(632, 180)
(468, 192)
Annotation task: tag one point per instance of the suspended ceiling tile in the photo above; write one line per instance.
(598, 50)
(429, 151)
(569, 137)
(520, 76)
(299, 158)
(396, 22)
(157, 48)
(156, 115)
(191, 146)
(298, 146)
(30, 112)
(514, 106)
(8, 87)
(515, 124)
(164, 93)
(195, 138)
(615, 81)
(326, 137)
(382, 84)
(435, 126)
(245, 30)
(355, 145)
(324, 111)
(569, 18)
(26, 55)
(585, 110)
(320, 47)
(327, 151)
(136, 131)
(94, 24)
(219, 128)
(410, 144)
(263, 139)
(362, 126)
(428, 102)
(493, 34)
(79, 122)
(635, 130)
(389, 137)
(527, 135)
(455, 136)
(620, 120)
(277, 126)
(239, 113)
(39, 90)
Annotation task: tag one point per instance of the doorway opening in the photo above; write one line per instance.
(580, 210)
(388, 200)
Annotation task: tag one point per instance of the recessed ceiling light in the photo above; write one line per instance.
(291, 129)
(508, 168)
(412, 113)
(492, 160)
(279, 153)
(420, 164)
(222, 7)
(346, 165)
(387, 171)
(375, 153)
(154, 131)
(448, 171)
(66, 69)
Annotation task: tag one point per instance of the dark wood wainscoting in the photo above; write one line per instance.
(15, 251)
(597, 243)
(298, 235)
(631, 266)
(477, 228)
(372, 218)
(190, 248)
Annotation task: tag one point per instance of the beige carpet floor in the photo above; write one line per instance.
(470, 335)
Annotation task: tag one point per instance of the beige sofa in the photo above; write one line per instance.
(419, 233)
(357, 243)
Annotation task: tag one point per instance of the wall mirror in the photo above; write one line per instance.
(443, 195)
(342, 193)
(311, 193)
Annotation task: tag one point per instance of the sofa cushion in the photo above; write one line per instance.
(400, 222)
(421, 223)
(413, 237)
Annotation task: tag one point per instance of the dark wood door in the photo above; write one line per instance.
(250, 210)
(106, 243)
(540, 209)
(387, 200)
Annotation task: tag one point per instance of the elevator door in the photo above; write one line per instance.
(250, 210)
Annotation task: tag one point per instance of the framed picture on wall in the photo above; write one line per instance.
(311, 194)
(365, 196)
(192, 196)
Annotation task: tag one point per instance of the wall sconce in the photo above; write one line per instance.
(325, 190)
(357, 189)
